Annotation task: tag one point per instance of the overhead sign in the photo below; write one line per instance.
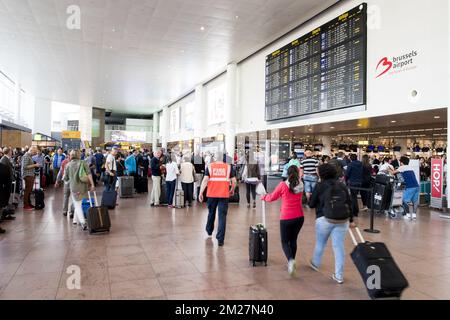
(436, 183)
(71, 135)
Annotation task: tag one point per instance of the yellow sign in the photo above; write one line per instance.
(71, 135)
(363, 143)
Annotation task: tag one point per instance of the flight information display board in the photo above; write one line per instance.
(322, 71)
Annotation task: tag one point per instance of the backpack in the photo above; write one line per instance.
(336, 206)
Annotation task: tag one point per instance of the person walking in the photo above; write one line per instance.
(66, 188)
(156, 179)
(187, 176)
(292, 216)
(333, 217)
(172, 173)
(366, 181)
(251, 176)
(354, 177)
(308, 171)
(412, 191)
(220, 179)
(58, 158)
(28, 174)
(79, 183)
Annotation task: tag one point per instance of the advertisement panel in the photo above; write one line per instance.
(436, 183)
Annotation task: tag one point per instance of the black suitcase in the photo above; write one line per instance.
(236, 197)
(163, 197)
(383, 179)
(381, 197)
(142, 185)
(39, 196)
(126, 187)
(98, 217)
(258, 241)
(109, 199)
(369, 257)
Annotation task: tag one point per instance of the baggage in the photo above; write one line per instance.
(126, 187)
(109, 199)
(98, 217)
(258, 241)
(39, 196)
(383, 179)
(236, 197)
(163, 196)
(142, 185)
(13, 197)
(368, 257)
(381, 197)
(85, 205)
(179, 199)
(44, 181)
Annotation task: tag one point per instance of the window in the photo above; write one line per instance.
(189, 116)
(216, 104)
(175, 120)
(7, 98)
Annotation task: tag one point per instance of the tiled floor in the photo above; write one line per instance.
(165, 254)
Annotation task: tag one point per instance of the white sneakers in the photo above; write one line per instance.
(340, 281)
(292, 267)
(410, 216)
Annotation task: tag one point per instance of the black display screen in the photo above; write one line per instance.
(321, 71)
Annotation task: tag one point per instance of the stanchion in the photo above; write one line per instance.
(372, 216)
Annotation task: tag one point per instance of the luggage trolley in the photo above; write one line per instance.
(396, 209)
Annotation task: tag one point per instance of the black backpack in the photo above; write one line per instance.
(336, 206)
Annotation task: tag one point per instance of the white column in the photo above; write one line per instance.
(164, 130)
(155, 131)
(326, 141)
(200, 117)
(230, 109)
(42, 117)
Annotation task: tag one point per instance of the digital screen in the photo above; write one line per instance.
(322, 71)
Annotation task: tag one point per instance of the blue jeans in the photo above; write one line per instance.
(170, 189)
(324, 230)
(213, 204)
(310, 182)
(411, 195)
(110, 183)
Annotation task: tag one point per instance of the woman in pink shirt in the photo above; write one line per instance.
(292, 217)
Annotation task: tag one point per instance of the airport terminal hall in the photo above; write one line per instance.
(202, 152)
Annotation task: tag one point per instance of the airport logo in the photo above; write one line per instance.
(397, 64)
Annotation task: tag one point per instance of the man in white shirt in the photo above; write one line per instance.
(111, 170)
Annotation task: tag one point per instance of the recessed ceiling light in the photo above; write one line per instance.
(331, 128)
(292, 131)
(393, 121)
(237, 17)
(110, 47)
(202, 28)
(113, 30)
(437, 117)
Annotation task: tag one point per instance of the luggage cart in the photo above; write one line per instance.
(396, 209)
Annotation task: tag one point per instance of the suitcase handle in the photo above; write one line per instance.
(355, 242)
(263, 205)
(95, 199)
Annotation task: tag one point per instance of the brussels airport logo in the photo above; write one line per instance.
(396, 64)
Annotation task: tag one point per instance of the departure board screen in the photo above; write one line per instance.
(322, 71)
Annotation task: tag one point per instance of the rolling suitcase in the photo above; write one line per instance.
(258, 241)
(163, 196)
(369, 257)
(126, 187)
(179, 198)
(236, 197)
(109, 199)
(85, 205)
(98, 217)
(39, 196)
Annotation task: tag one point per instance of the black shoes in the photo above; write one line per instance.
(221, 244)
(65, 214)
(71, 216)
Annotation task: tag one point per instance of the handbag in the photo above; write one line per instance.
(82, 174)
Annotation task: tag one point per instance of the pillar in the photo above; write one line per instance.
(164, 130)
(326, 141)
(156, 130)
(230, 109)
(200, 118)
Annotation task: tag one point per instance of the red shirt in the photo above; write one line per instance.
(291, 204)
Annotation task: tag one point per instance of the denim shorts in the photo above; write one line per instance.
(310, 183)
(411, 195)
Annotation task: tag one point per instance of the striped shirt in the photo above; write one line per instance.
(309, 166)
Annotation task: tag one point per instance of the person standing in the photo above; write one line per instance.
(172, 173)
(220, 179)
(99, 160)
(260, 158)
(251, 177)
(333, 215)
(58, 158)
(412, 191)
(28, 168)
(156, 179)
(66, 189)
(308, 171)
(366, 181)
(39, 158)
(354, 177)
(111, 171)
(187, 176)
(6, 183)
(292, 216)
(78, 188)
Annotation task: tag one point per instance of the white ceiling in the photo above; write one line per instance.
(135, 55)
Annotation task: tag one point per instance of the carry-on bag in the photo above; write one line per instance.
(85, 205)
(39, 196)
(236, 197)
(126, 187)
(179, 198)
(98, 217)
(258, 241)
(381, 275)
(142, 183)
(163, 196)
(109, 199)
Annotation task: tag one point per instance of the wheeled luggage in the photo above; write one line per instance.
(163, 196)
(39, 196)
(258, 241)
(109, 199)
(381, 275)
(142, 183)
(126, 187)
(14, 198)
(98, 217)
(85, 205)
(236, 197)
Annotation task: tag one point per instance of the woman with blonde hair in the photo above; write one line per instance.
(79, 177)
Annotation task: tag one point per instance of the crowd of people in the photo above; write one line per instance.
(329, 184)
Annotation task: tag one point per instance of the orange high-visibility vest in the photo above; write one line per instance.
(219, 180)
